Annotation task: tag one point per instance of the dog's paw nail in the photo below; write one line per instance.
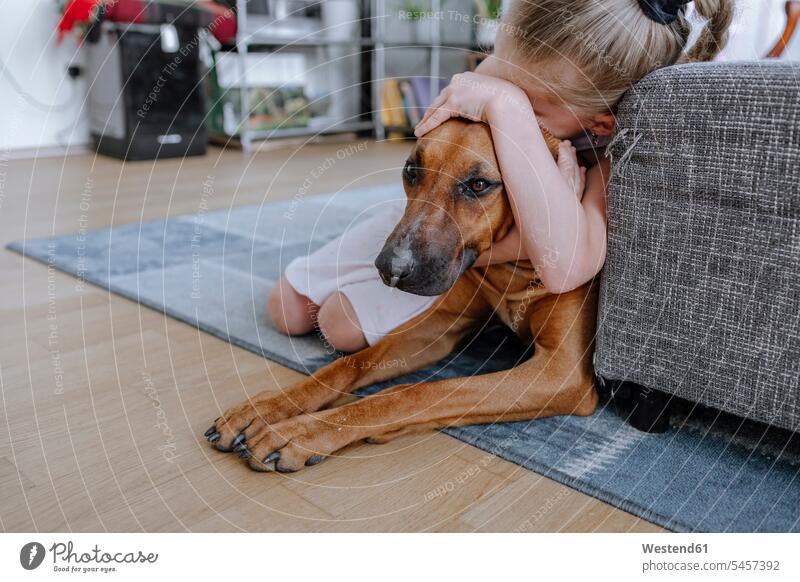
(314, 460)
(274, 456)
(244, 453)
(213, 437)
(210, 431)
(238, 440)
(240, 447)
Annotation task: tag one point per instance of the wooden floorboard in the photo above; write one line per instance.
(104, 402)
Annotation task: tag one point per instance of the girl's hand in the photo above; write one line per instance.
(574, 174)
(468, 95)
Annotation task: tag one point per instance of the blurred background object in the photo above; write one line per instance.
(145, 95)
(787, 39)
(296, 67)
(756, 27)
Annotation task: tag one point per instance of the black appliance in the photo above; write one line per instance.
(146, 96)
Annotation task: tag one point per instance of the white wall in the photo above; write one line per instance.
(756, 28)
(29, 52)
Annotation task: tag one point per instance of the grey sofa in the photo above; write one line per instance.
(700, 294)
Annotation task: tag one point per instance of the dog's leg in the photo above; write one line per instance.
(416, 344)
(557, 380)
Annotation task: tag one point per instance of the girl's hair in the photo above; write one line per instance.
(610, 43)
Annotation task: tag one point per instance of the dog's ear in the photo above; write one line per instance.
(552, 141)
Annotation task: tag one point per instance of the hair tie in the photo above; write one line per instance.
(663, 11)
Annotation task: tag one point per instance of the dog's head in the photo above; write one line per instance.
(456, 209)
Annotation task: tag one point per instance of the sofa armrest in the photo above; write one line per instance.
(700, 294)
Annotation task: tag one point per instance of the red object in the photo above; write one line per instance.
(134, 11)
(76, 11)
(84, 12)
(223, 27)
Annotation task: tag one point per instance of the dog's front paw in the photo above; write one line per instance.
(248, 418)
(292, 444)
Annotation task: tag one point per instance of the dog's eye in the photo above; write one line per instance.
(475, 187)
(410, 171)
(478, 185)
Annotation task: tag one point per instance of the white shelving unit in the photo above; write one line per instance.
(256, 33)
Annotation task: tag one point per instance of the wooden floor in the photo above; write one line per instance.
(104, 402)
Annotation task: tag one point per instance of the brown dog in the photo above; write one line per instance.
(456, 209)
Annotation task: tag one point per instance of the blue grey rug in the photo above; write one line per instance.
(214, 269)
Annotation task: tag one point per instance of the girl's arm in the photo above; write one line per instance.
(564, 238)
(510, 248)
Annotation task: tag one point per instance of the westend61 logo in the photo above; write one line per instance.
(66, 559)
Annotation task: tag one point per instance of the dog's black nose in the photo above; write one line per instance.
(394, 266)
(401, 268)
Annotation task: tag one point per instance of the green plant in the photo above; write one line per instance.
(414, 10)
(489, 9)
